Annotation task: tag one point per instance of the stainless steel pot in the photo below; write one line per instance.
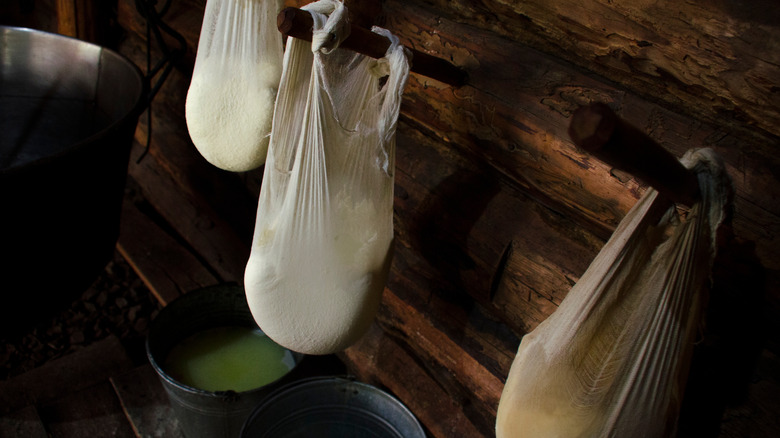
(68, 112)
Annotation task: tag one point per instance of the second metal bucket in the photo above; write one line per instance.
(331, 407)
(206, 414)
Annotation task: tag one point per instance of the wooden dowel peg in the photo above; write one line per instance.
(598, 130)
(298, 23)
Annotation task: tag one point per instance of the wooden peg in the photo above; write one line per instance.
(598, 130)
(298, 23)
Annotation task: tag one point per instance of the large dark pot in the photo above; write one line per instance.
(68, 112)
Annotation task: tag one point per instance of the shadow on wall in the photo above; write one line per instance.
(442, 226)
(734, 333)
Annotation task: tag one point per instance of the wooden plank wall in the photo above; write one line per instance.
(497, 214)
(717, 59)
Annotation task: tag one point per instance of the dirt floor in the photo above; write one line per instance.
(117, 303)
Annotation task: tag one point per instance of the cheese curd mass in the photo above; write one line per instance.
(230, 102)
(229, 113)
(323, 236)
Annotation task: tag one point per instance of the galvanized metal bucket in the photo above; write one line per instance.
(68, 113)
(331, 407)
(207, 414)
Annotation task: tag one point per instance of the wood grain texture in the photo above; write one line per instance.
(596, 129)
(165, 265)
(194, 220)
(210, 209)
(496, 212)
(515, 113)
(93, 411)
(454, 219)
(379, 360)
(68, 374)
(67, 18)
(146, 404)
(86, 20)
(716, 59)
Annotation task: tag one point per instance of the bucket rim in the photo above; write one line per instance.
(334, 381)
(131, 114)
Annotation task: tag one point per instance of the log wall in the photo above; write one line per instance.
(497, 214)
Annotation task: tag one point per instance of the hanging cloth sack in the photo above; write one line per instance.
(323, 238)
(230, 102)
(612, 360)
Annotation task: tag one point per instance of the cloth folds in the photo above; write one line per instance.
(612, 360)
(323, 237)
(230, 101)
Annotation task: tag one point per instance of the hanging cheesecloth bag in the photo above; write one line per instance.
(612, 360)
(323, 238)
(230, 102)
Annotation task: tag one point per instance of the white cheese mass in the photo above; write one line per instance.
(323, 237)
(229, 113)
(319, 294)
(230, 102)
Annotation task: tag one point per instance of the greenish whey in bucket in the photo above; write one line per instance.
(228, 358)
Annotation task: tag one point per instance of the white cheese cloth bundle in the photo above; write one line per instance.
(323, 238)
(612, 360)
(230, 102)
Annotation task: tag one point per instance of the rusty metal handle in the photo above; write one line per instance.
(298, 23)
(598, 130)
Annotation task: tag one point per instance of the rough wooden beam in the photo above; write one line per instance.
(597, 129)
(68, 374)
(94, 411)
(379, 360)
(81, 19)
(496, 212)
(516, 110)
(297, 23)
(67, 18)
(717, 60)
(165, 265)
(146, 404)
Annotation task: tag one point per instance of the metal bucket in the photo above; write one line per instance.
(206, 414)
(331, 407)
(68, 112)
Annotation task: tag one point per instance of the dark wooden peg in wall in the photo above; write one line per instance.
(598, 130)
(298, 23)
